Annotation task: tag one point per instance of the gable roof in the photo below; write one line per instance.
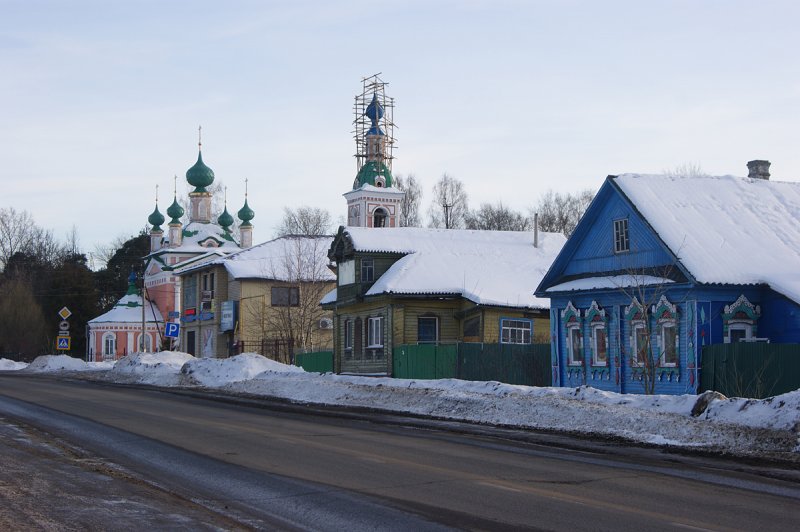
(487, 267)
(287, 258)
(129, 310)
(722, 230)
(726, 230)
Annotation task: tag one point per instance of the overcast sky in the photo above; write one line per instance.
(101, 100)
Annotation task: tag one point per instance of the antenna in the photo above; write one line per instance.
(199, 137)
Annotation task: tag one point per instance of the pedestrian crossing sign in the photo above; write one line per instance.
(62, 343)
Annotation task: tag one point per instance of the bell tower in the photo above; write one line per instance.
(373, 201)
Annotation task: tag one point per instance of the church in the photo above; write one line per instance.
(115, 334)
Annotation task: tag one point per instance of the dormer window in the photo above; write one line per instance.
(380, 181)
(621, 240)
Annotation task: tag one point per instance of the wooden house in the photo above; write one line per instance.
(400, 286)
(660, 266)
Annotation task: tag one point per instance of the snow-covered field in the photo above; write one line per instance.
(709, 421)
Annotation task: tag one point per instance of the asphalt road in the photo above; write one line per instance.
(267, 465)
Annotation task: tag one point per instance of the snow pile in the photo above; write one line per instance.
(10, 365)
(708, 421)
(216, 372)
(161, 368)
(48, 363)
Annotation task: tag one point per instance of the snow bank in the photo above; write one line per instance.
(10, 365)
(49, 363)
(215, 372)
(709, 421)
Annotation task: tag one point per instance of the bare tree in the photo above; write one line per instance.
(450, 203)
(20, 234)
(560, 213)
(686, 170)
(496, 217)
(409, 207)
(304, 220)
(288, 315)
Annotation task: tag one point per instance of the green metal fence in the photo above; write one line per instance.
(750, 369)
(513, 364)
(319, 362)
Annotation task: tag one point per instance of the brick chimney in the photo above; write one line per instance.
(758, 169)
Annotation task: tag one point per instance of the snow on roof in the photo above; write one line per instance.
(728, 230)
(366, 187)
(330, 297)
(129, 309)
(288, 258)
(487, 267)
(196, 232)
(613, 281)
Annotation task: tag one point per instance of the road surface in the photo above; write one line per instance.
(268, 465)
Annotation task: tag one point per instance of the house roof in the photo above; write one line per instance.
(487, 267)
(724, 230)
(287, 258)
(129, 309)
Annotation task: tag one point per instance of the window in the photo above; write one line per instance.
(739, 332)
(669, 347)
(285, 296)
(641, 344)
(621, 241)
(379, 218)
(427, 330)
(472, 329)
(367, 270)
(208, 284)
(375, 332)
(190, 291)
(109, 346)
(599, 345)
(348, 339)
(148, 344)
(347, 272)
(575, 346)
(515, 331)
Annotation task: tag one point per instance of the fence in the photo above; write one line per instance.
(319, 362)
(750, 369)
(513, 364)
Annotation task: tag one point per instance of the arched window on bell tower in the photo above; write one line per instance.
(379, 217)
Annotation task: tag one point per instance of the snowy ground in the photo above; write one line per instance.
(768, 427)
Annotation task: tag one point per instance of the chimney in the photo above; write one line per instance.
(758, 169)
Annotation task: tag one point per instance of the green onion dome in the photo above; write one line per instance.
(156, 219)
(200, 176)
(374, 173)
(225, 219)
(175, 211)
(246, 214)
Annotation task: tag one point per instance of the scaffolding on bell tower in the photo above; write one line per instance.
(373, 88)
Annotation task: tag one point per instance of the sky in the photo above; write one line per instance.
(100, 101)
(733, 425)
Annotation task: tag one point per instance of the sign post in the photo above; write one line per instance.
(63, 340)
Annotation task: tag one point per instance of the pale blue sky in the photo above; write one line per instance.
(101, 100)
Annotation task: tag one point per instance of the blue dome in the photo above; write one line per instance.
(374, 110)
(375, 130)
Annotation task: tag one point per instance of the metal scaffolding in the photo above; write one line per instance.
(373, 85)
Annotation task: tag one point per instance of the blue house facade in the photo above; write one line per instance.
(660, 266)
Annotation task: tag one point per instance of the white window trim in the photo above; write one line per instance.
(669, 324)
(595, 360)
(739, 326)
(148, 343)
(571, 361)
(635, 327)
(523, 330)
(113, 337)
(375, 332)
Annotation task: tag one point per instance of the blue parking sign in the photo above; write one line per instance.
(172, 330)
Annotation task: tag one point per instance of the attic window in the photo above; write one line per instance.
(621, 240)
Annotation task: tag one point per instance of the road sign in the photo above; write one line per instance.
(64, 313)
(62, 343)
(63, 327)
(172, 330)
(174, 314)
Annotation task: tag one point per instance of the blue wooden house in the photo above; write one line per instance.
(660, 266)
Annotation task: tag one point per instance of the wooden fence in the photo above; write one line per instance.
(754, 370)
